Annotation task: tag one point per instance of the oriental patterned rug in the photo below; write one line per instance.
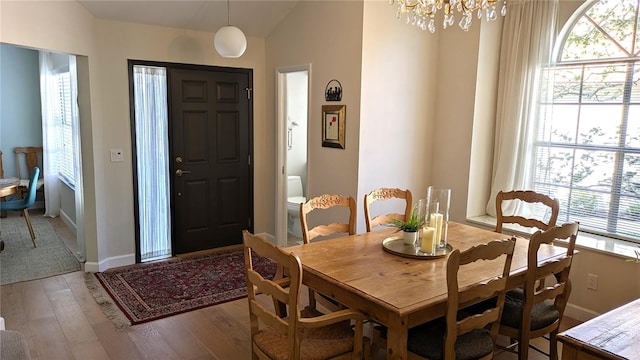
(151, 291)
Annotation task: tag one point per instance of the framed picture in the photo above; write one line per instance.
(333, 125)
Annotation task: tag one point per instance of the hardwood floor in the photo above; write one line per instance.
(61, 320)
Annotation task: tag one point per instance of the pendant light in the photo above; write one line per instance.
(229, 40)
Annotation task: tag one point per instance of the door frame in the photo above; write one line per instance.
(134, 160)
(281, 147)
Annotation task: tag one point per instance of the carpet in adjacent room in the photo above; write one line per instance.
(20, 261)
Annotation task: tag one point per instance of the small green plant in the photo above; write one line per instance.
(412, 224)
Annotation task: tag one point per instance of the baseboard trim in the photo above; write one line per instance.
(113, 262)
(67, 221)
(579, 313)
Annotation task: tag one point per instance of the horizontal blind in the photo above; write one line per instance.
(64, 117)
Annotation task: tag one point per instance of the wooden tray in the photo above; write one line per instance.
(395, 245)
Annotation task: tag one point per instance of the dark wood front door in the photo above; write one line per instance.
(210, 141)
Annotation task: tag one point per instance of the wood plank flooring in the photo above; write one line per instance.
(61, 320)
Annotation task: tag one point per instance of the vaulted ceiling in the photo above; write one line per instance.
(257, 18)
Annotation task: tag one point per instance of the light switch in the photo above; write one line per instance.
(117, 155)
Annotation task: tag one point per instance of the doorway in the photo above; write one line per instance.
(292, 118)
(207, 160)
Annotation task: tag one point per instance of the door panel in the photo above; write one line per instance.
(210, 121)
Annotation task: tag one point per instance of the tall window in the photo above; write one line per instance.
(152, 161)
(588, 138)
(64, 117)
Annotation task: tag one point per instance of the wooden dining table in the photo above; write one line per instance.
(613, 335)
(400, 292)
(8, 186)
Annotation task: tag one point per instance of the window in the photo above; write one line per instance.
(63, 115)
(151, 144)
(587, 149)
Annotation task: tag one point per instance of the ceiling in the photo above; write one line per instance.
(256, 18)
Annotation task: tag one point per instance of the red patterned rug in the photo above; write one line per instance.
(150, 291)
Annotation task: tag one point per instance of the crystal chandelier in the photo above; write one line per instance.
(422, 13)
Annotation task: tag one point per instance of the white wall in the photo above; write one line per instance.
(398, 105)
(327, 35)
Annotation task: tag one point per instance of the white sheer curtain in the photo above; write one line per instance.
(51, 129)
(527, 39)
(152, 152)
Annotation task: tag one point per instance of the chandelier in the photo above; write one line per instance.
(422, 13)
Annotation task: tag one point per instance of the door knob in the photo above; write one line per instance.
(179, 172)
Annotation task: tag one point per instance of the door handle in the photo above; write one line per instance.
(179, 172)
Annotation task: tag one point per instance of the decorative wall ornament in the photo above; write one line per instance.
(333, 125)
(333, 91)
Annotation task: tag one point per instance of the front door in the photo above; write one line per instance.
(210, 144)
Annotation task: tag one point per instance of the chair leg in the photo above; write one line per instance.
(28, 220)
(523, 348)
(553, 346)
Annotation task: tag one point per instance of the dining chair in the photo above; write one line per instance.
(326, 202)
(533, 311)
(550, 205)
(463, 333)
(296, 336)
(25, 203)
(27, 158)
(383, 194)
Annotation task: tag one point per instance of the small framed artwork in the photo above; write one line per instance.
(333, 125)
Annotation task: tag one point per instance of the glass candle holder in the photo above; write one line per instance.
(438, 202)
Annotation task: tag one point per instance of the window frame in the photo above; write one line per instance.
(620, 149)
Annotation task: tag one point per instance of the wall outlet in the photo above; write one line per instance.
(592, 282)
(117, 155)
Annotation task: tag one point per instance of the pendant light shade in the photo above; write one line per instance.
(230, 42)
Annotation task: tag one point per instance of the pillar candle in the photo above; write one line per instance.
(435, 221)
(428, 239)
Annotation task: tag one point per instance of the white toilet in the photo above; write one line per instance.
(295, 197)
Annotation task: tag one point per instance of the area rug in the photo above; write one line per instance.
(20, 261)
(150, 291)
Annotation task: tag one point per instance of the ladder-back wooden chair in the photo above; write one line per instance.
(530, 197)
(534, 311)
(293, 337)
(383, 194)
(325, 202)
(28, 158)
(464, 333)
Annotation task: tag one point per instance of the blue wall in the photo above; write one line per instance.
(20, 114)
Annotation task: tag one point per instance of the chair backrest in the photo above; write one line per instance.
(1, 166)
(326, 202)
(497, 252)
(385, 194)
(32, 158)
(284, 290)
(557, 268)
(30, 199)
(529, 197)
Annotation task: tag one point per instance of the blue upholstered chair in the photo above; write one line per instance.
(25, 203)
